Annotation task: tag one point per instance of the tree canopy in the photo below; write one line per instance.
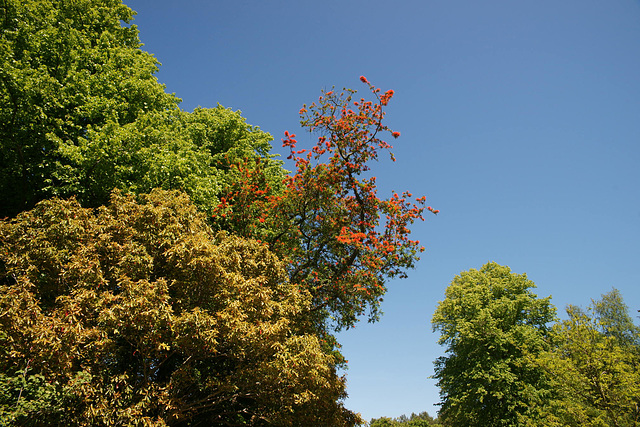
(208, 245)
(423, 419)
(83, 113)
(593, 367)
(139, 312)
(506, 365)
(65, 68)
(175, 150)
(490, 322)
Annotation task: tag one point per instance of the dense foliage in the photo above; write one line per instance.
(507, 365)
(139, 312)
(594, 367)
(490, 322)
(82, 113)
(65, 68)
(193, 152)
(117, 314)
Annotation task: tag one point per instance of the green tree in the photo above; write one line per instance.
(490, 322)
(594, 367)
(193, 152)
(82, 113)
(423, 419)
(65, 68)
(139, 313)
(383, 422)
(611, 315)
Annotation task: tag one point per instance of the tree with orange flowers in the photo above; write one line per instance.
(139, 310)
(340, 240)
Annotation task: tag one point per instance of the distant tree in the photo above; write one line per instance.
(490, 322)
(423, 419)
(611, 315)
(594, 367)
(138, 313)
(383, 422)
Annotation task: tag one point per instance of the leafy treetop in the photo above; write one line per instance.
(491, 322)
(592, 367)
(65, 68)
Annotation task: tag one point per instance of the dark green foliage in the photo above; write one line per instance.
(28, 399)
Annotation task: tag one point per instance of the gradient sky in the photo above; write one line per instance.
(520, 122)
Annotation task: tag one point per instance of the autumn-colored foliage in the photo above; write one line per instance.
(139, 313)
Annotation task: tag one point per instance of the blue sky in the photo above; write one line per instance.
(520, 122)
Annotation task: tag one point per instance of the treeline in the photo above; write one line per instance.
(161, 267)
(423, 419)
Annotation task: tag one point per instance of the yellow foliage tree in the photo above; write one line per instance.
(138, 313)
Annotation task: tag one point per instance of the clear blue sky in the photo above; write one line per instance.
(520, 121)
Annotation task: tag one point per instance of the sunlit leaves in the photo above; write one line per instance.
(83, 113)
(490, 322)
(66, 68)
(139, 312)
(593, 367)
(175, 150)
